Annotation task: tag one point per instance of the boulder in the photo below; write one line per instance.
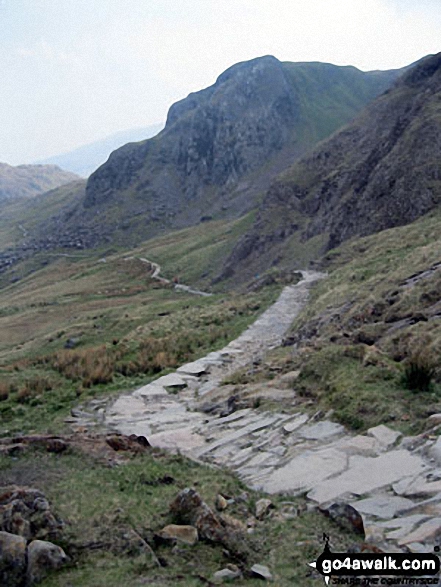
(221, 503)
(42, 557)
(262, 508)
(346, 516)
(189, 508)
(12, 559)
(230, 573)
(26, 512)
(261, 572)
(186, 534)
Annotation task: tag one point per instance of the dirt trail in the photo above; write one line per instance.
(178, 286)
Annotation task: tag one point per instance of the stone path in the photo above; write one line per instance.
(394, 482)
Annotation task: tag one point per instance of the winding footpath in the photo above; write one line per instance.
(394, 482)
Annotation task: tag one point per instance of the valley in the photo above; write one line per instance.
(246, 306)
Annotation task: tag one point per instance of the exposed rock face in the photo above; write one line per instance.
(221, 146)
(27, 181)
(381, 171)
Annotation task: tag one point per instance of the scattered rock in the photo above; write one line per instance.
(26, 512)
(261, 572)
(230, 573)
(12, 559)
(42, 557)
(186, 534)
(133, 443)
(346, 516)
(189, 508)
(221, 503)
(262, 508)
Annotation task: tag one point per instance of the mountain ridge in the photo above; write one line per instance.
(380, 171)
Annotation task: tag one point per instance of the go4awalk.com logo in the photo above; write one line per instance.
(377, 568)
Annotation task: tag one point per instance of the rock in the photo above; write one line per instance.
(428, 531)
(384, 435)
(321, 430)
(120, 442)
(186, 534)
(230, 573)
(26, 512)
(12, 559)
(434, 420)
(294, 424)
(360, 444)
(42, 557)
(305, 471)
(262, 508)
(366, 474)
(221, 503)
(385, 507)
(261, 572)
(287, 380)
(71, 343)
(189, 508)
(435, 451)
(346, 516)
(197, 368)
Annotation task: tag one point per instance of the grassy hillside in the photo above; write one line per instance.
(368, 345)
(124, 327)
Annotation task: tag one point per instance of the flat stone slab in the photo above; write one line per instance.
(289, 427)
(385, 436)
(321, 430)
(151, 391)
(384, 507)
(358, 445)
(127, 406)
(414, 487)
(366, 474)
(171, 380)
(196, 368)
(139, 428)
(236, 434)
(182, 439)
(305, 471)
(427, 531)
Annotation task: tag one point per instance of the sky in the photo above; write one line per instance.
(76, 71)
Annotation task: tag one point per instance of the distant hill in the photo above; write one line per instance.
(85, 160)
(27, 181)
(381, 171)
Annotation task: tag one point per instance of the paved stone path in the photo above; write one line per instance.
(394, 482)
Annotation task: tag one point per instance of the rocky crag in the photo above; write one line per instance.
(379, 172)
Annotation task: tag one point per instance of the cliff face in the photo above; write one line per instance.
(381, 171)
(222, 146)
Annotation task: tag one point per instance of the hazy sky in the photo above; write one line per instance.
(74, 71)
